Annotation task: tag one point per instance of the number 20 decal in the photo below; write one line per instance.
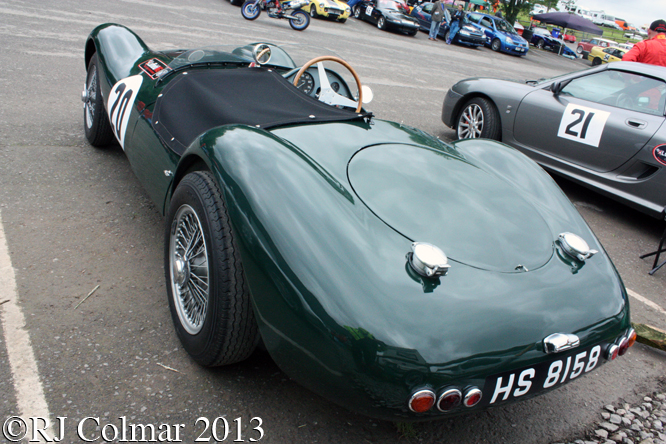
(121, 100)
(582, 124)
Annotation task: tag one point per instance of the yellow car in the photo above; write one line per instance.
(334, 9)
(599, 55)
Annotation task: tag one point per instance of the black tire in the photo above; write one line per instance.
(357, 12)
(540, 44)
(95, 120)
(496, 45)
(302, 22)
(446, 37)
(313, 11)
(412, 33)
(236, 2)
(596, 61)
(342, 20)
(579, 50)
(478, 118)
(218, 327)
(381, 23)
(250, 10)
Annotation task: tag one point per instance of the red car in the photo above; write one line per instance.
(569, 38)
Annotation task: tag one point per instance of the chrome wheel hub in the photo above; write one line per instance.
(471, 122)
(188, 259)
(88, 97)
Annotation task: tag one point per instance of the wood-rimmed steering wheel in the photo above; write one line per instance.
(327, 94)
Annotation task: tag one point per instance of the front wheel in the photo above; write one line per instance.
(579, 50)
(478, 119)
(301, 21)
(251, 9)
(447, 36)
(357, 12)
(540, 44)
(313, 11)
(208, 297)
(496, 45)
(381, 23)
(95, 121)
(342, 20)
(596, 61)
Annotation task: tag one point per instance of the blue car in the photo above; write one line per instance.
(470, 35)
(543, 39)
(500, 35)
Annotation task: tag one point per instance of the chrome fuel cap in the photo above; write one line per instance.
(428, 260)
(575, 246)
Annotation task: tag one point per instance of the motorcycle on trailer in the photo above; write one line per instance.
(291, 10)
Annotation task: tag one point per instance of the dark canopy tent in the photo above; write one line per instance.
(568, 20)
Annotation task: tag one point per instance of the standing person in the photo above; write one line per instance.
(456, 24)
(652, 50)
(436, 20)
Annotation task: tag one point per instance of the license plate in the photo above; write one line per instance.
(544, 376)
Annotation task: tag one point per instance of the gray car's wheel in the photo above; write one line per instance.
(579, 50)
(496, 45)
(208, 297)
(95, 120)
(357, 12)
(381, 23)
(478, 118)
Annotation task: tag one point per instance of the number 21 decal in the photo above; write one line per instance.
(121, 100)
(583, 124)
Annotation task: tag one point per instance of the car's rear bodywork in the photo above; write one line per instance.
(325, 213)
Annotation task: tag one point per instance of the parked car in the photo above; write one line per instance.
(470, 34)
(569, 38)
(386, 14)
(599, 55)
(586, 45)
(333, 9)
(603, 127)
(542, 39)
(500, 35)
(289, 217)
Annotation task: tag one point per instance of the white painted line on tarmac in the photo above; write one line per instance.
(646, 301)
(27, 385)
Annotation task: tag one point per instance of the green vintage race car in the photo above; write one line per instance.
(394, 274)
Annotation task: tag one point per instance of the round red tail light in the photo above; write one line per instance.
(627, 342)
(612, 351)
(422, 401)
(449, 400)
(472, 397)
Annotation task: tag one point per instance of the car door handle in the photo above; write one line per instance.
(638, 124)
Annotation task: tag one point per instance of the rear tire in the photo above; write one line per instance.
(478, 118)
(95, 120)
(250, 10)
(208, 296)
(302, 22)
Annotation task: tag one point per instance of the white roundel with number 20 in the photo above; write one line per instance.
(582, 124)
(121, 100)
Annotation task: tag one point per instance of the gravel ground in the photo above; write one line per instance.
(630, 424)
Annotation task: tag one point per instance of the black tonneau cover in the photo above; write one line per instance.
(200, 100)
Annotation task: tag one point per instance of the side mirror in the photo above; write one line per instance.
(262, 53)
(557, 87)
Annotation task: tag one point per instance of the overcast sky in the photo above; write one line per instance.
(638, 12)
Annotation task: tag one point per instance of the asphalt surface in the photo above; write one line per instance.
(76, 218)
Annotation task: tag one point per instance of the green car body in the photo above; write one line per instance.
(324, 215)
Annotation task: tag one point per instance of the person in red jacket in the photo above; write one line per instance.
(652, 50)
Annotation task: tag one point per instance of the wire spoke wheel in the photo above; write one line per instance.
(471, 122)
(91, 93)
(188, 258)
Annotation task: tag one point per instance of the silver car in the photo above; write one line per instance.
(602, 127)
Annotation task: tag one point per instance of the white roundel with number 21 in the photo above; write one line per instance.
(582, 124)
(121, 100)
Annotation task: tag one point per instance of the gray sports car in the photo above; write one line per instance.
(602, 127)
